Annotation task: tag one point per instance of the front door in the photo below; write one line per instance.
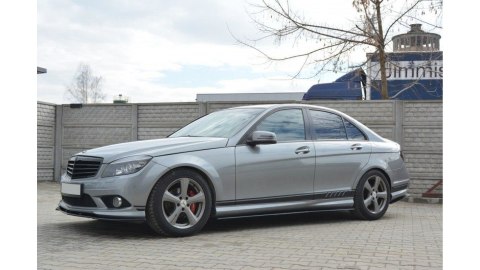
(282, 170)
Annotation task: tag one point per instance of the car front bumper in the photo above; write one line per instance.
(134, 190)
(131, 214)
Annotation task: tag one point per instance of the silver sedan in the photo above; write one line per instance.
(250, 160)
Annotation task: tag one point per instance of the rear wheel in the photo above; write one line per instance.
(372, 196)
(179, 204)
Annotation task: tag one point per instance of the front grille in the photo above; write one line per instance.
(84, 201)
(83, 167)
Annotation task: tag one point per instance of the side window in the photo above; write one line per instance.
(353, 132)
(328, 126)
(288, 125)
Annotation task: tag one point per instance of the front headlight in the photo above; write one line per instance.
(126, 165)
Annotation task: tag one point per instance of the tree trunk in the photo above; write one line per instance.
(383, 74)
(381, 52)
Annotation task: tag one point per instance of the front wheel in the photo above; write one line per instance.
(372, 196)
(179, 204)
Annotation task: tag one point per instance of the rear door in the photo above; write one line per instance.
(284, 169)
(341, 151)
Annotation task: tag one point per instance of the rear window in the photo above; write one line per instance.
(328, 126)
(353, 133)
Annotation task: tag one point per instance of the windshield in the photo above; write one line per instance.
(222, 124)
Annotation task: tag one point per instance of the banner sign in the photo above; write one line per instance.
(410, 70)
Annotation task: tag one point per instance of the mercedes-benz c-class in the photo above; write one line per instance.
(251, 160)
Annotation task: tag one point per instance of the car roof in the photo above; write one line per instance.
(259, 106)
(286, 105)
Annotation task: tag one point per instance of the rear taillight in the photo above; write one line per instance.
(401, 155)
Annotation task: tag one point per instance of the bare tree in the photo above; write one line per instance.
(333, 45)
(85, 87)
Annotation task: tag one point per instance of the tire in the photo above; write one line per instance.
(372, 196)
(170, 211)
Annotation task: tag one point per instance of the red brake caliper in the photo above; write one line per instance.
(193, 206)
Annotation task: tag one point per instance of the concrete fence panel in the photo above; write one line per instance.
(63, 131)
(423, 145)
(45, 141)
(160, 120)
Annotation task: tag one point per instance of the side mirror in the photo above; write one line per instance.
(262, 137)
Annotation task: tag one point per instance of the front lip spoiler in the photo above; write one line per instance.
(97, 216)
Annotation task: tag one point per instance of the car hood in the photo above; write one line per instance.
(154, 148)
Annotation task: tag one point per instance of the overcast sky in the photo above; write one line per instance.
(168, 50)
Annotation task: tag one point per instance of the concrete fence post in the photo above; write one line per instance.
(207, 107)
(134, 122)
(399, 121)
(202, 108)
(57, 165)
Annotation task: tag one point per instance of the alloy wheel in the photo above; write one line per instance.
(375, 194)
(183, 203)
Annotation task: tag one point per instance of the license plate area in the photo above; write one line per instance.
(73, 190)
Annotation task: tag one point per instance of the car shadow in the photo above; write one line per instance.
(138, 230)
(100, 228)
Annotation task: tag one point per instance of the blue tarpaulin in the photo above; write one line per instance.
(348, 87)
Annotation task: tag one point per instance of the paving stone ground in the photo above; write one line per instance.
(409, 236)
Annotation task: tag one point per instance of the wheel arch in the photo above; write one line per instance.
(197, 170)
(384, 172)
(381, 170)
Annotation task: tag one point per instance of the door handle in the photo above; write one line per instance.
(302, 150)
(356, 146)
